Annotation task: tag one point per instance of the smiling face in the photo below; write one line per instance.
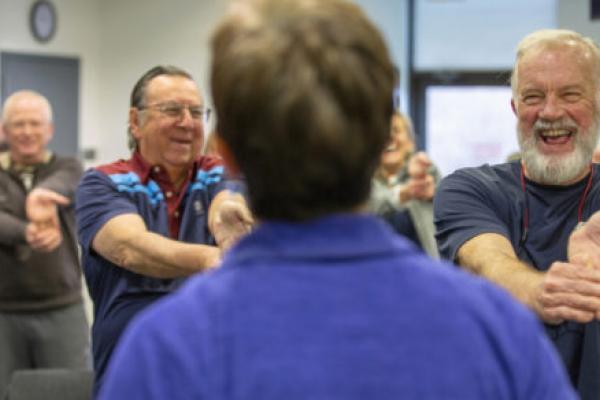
(555, 104)
(27, 127)
(400, 145)
(173, 141)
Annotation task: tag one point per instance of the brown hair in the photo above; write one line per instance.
(303, 95)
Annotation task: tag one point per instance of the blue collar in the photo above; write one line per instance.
(339, 236)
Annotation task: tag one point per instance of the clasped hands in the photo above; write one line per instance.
(43, 232)
(229, 219)
(420, 185)
(571, 290)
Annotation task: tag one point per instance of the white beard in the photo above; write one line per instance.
(557, 169)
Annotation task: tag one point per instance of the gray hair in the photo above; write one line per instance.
(11, 100)
(556, 38)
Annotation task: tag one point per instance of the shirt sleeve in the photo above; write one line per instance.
(97, 200)
(467, 203)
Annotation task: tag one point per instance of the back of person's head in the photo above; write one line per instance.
(303, 95)
(558, 39)
(138, 94)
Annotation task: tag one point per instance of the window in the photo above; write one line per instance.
(469, 126)
(464, 119)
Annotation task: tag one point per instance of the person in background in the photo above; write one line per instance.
(322, 300)
(404, 185)
(515, 223)
(148, 222)
(42, 319)
(3, 142)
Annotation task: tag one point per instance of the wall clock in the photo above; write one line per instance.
(42, 20)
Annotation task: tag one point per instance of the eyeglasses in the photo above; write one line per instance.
(175, 110)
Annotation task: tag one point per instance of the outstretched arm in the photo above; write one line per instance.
(125, 241)
(566, 291)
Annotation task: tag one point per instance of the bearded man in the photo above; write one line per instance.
(521, 224)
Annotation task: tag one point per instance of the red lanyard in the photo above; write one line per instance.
(586, 191)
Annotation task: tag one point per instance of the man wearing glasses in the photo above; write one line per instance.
(148, 222)
(520, 224)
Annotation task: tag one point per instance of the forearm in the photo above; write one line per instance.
(492, 256)
(154, 255)
(125, 241)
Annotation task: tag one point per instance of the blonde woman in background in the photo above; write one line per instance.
(404, 185)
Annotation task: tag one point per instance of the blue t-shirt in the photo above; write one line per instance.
(490, 199)
(130, 187)
(335, 308)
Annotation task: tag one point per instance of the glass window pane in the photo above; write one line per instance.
(469, 126)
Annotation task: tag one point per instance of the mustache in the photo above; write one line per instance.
(564, 123)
